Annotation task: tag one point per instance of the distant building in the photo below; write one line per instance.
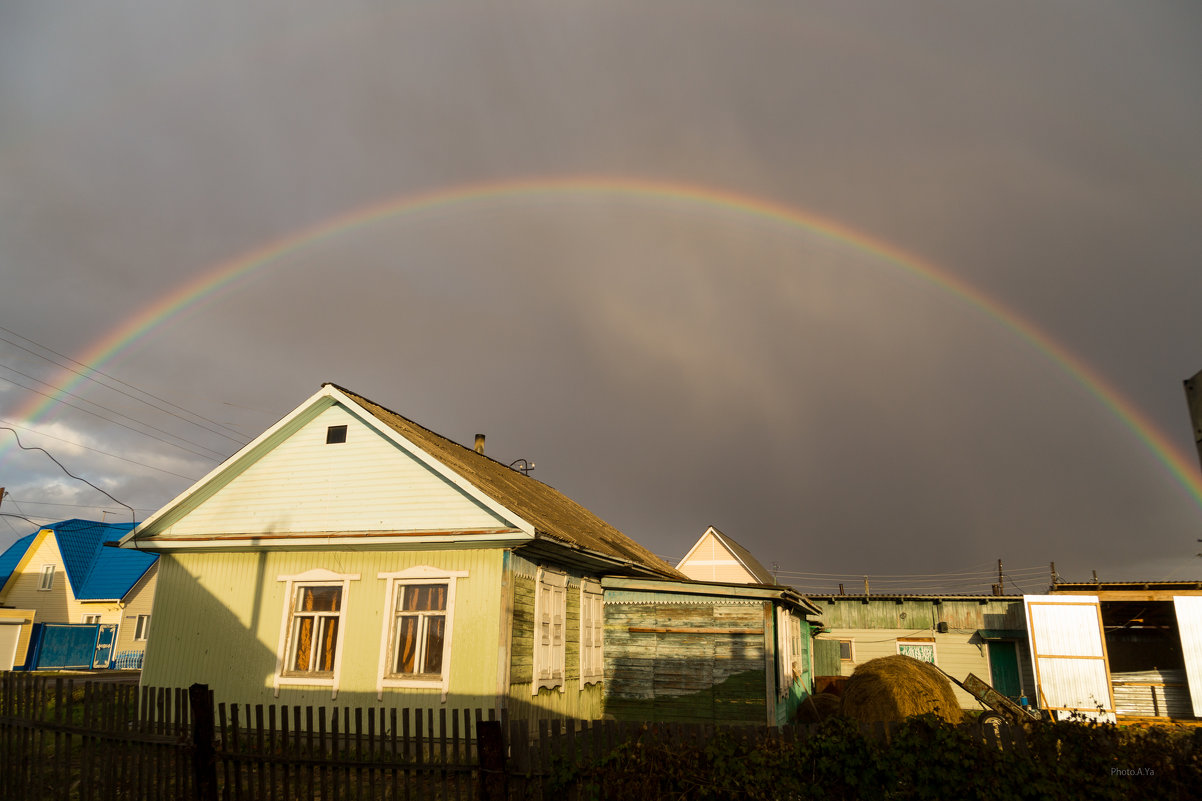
(980, 634)
(717, 557)
(91, 602)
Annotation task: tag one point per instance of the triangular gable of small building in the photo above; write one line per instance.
(293, 481)
(716, 557)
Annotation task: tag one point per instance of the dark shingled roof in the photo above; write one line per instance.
(554, 516)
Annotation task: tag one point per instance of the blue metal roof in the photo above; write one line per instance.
(11, 557)
(96, 572)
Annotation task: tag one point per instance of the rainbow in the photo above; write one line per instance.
(216, 278)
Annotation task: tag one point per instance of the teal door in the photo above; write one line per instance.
(104, 645)
(1003, 668)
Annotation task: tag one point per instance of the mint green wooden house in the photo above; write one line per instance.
(349, 556)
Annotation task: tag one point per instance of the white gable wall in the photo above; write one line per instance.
(367, 483)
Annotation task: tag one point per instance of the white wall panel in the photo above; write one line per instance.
(1069, 654)
(1189, 626)
(304, 485)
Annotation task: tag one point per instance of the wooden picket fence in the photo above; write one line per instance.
(94, 741)
(67, 740)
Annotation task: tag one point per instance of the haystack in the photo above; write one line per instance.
(817, 708)
(896, 687)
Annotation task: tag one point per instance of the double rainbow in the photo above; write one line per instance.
(213, 279)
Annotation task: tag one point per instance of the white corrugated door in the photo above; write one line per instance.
(1069, 655)
(1189, 627)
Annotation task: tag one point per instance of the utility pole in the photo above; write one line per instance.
(1001, 581)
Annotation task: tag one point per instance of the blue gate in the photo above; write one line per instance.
(63, 645)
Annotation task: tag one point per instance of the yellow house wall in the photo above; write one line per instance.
(139, 601)
(27, 618)
(218, 618)
(56, 605)
(953, 653)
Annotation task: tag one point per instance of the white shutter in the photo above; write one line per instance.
(558, 609)
(1068, 652)
(1189, 628)
(544, 632)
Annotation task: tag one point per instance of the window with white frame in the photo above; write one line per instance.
(550, 611)
(313, 632)
(91, 619)
(47, 582)
(922, 649)
(315, 608)
(415, 644)
(592, 629)
(142, 627)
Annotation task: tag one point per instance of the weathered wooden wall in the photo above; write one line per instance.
(572, 699)
(698, 661)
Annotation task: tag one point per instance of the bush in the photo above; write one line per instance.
(922, 758)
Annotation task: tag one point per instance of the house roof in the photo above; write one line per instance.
(761, 574)
(97, 572)
(554, 516)
(12, 557)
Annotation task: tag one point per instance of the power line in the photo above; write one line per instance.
(72, 505)
(95, 450)
(132, 515)
(58, 399)
(241, 438)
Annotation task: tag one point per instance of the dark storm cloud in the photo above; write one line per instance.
(668, 365)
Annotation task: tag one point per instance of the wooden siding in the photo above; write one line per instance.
(55, 605)
(710, 560)
(218, 617)
(698, 662)
(919, 613)
(573, 700)
(139, 601)
(364, 484)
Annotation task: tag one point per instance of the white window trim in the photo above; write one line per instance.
(84, 618)
(592, 670)
(550, 671)
(423, 574)
(142, 630)
(316, 577)
(47, 580)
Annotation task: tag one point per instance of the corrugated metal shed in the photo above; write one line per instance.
(1151, 693)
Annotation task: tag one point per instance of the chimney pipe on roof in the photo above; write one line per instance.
(479, 443)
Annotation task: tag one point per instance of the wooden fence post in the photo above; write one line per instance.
(490, 744)
(204, 759)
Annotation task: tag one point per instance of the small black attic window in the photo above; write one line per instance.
(335, 434)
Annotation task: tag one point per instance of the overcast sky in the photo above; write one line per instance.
(669, 363)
